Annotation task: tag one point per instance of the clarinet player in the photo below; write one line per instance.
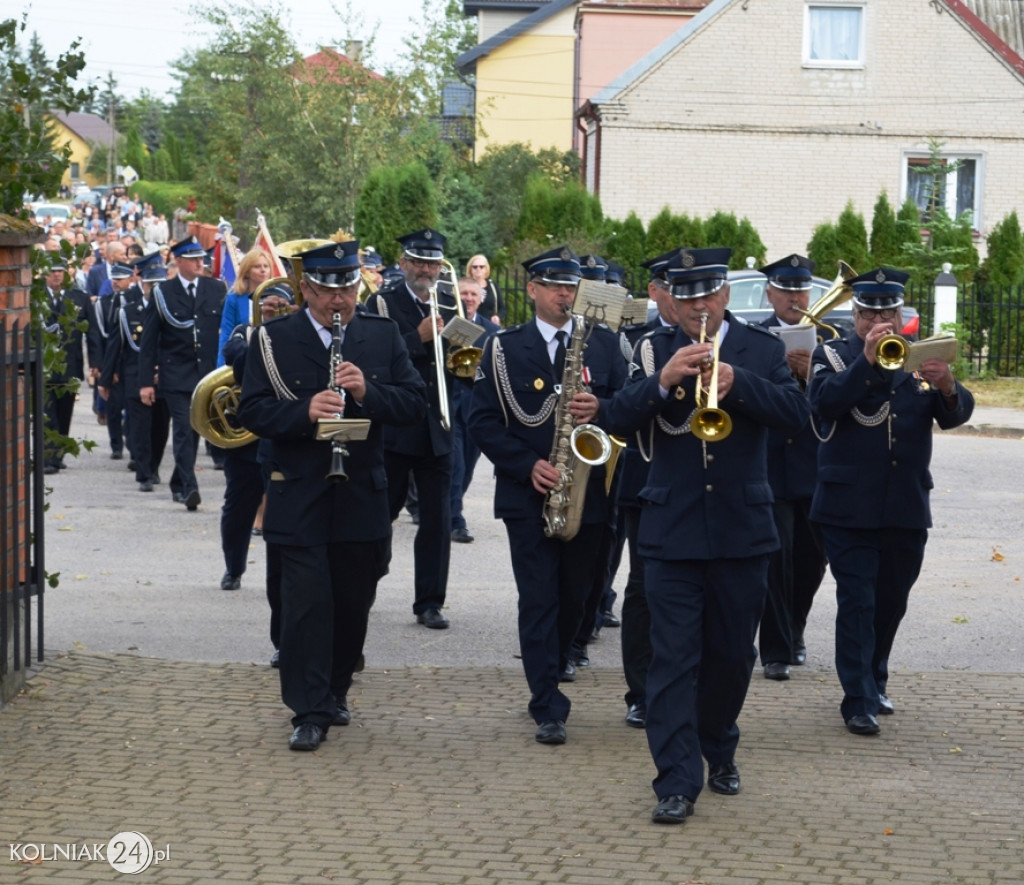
(334, 537)
(518, 386)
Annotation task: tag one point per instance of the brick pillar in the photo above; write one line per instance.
(16, 241)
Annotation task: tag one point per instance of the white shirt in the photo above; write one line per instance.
(547, 332)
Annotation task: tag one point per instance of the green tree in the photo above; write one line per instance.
(668, 231)
(134, 153)
(31, 159)
(627, 243)
(885, 236)
(392, 203)
(822, 248)
(442, 34)
(852, 238)
(1004, 265)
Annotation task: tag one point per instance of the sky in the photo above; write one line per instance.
(138, 39)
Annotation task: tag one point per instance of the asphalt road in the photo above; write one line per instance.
(140, 574)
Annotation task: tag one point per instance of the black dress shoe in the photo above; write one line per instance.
(51, 469)
(552, 732)
(863, 723)
(275, 659)
(724, 779)
(192, 500)
(637, 716)
(231, 582)
(579, 657)
(885, 707)
(307, 736)
(116, 456)
(342, 715)
(178, 497)
(433, 619)
(776, 670)
(608, 619)
(672, 810)
(568, 674)
(799, 653)
(132, 465)
(462, 536)
(145, 486)
(156, 479)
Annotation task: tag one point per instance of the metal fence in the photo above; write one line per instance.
(990, 326)
(22, 573)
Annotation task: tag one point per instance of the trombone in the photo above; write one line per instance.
(709, 423)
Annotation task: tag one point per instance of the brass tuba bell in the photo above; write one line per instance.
(214, 410)
(838, 293)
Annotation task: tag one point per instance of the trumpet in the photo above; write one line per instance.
(891, 351)
(709, 423)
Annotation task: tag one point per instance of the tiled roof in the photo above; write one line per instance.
(91, 127)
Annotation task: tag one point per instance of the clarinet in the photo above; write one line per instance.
(338, 450)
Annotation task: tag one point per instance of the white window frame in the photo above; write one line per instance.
(977, 217)
(856, 63)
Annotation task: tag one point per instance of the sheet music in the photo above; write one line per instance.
(941, 347)
(460, 332)
(797, 337)
(599, 302)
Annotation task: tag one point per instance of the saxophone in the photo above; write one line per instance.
(574, 450)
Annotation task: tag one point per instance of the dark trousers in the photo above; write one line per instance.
(184, 443)
(874, 571)
(274, 591)
(594, 604)
(552, 580)
(115, 415)
(243, 491)
(148, 428)
(465, 454)
(58, 411)
(433, 544)
(704, 616)
(636, 617)
(795, 571)
(326, 594)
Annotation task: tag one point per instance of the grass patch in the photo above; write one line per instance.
(1003, 393)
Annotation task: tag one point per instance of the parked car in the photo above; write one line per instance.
(53, 211)
(747, 299)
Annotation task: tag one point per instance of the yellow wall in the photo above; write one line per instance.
(524, 88)
(80, 152)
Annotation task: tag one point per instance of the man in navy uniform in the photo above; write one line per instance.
(66, 313)
(797, 567)
(706, 529)
(104, 334)
(424, 451)
(636, 618)
(873, 484)
(180, 347)
(334, 536)
(514, 398)
(465, 451)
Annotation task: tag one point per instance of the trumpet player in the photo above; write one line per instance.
(333, 537)
(424, 451)
(516, 402)
(873, 485)
(706, 528)
(797, 567)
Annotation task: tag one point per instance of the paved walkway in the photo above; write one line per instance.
(438, 780)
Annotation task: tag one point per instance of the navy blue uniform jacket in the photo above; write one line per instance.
(514, 447)
(862, 481)
(721, 510)
(304, 509)
(430, 438)
(184, 356)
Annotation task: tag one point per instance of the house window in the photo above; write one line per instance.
(74, 171)
(958, 191)
(834, 35)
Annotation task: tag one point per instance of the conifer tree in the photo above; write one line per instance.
(885, 237)
(852, 239)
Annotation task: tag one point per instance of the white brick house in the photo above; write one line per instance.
(783, 110)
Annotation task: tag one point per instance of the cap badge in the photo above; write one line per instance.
(428, 235)
(688, 259)
(591, 262)
(339, 252)
(565, 255)
(794, 261)
(880, 277)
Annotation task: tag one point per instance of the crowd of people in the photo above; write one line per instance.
(751, 461)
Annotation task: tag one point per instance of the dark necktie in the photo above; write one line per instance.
(560, 355)
(191, 290)
(424, 308)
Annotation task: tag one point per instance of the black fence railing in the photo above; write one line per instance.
(989, 325)
(22, 498)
